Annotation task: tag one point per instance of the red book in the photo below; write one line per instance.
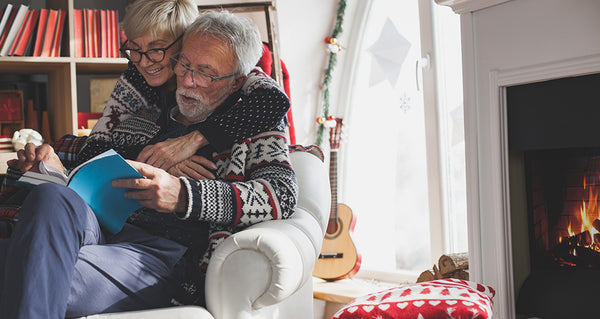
(109, 34)
(41, 31)
(27, 35)
(19, 33)
(103, 34)
(50, 30)
(58, 34)
(115, 29)
(97, 35)
(89, 33)
(10, 18)
(78, 32)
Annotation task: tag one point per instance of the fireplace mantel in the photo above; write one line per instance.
(508, 43)
(464, 6)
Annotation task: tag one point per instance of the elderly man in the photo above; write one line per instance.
(58, 261)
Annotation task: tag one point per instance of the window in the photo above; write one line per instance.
(402, 157)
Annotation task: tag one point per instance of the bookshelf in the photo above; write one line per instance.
(63, 71)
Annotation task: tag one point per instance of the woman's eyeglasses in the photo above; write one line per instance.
(154, 55)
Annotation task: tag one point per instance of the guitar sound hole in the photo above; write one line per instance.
(333, 227)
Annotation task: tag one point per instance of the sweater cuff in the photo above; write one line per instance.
(189, 199)
(216, 136)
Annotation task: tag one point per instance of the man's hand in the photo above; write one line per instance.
(29, 158)
(172, 151)
(160, 190)
(194, 168)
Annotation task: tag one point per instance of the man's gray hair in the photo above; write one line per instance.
(239, 33)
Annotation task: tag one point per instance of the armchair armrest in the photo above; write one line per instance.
(262, 271)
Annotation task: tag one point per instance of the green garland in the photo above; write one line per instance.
(334, 47)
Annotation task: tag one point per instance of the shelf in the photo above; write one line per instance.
(100, 65)
(63, 72)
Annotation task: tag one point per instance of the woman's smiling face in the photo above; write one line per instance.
(155, 73)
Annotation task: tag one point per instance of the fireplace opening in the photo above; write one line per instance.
(564, 208)
(553, 129)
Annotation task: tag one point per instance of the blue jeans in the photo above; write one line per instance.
(58, 263)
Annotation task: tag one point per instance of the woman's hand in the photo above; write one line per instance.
(172, 151)
(29, 158)
(196, 168)
(159, 190)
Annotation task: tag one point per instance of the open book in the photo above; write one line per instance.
(92, 182)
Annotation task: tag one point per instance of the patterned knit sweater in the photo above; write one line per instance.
(261, 106)
(254, 183)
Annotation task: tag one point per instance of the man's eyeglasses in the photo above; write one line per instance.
(154, 55)
(200, 78)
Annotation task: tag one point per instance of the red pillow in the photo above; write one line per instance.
(445, 298)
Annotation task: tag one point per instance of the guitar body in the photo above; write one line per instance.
(339, 258)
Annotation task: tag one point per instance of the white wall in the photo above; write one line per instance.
(303, 27)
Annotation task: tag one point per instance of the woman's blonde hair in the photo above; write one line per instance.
(158, 17)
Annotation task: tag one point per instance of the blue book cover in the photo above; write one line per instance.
(92, 182)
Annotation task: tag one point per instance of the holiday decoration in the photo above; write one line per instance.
(334, 47)
(389, 53)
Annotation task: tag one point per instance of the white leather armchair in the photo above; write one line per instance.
(279, 256)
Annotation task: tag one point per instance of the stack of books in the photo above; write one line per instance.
(28, 32)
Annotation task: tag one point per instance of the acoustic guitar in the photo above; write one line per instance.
(339, 258)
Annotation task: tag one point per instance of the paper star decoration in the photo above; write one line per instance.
(389, 53)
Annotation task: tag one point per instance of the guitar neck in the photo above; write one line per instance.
(333, 183)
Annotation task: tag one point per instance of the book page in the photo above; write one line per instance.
(49, 170)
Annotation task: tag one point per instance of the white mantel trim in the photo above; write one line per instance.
(499, 80)
(550, 71)
(465, 6)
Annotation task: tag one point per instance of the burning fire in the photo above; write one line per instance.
(589, 211)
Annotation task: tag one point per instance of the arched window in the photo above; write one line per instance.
(402, 157)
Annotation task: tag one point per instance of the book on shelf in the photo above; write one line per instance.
(103, 34)
(88, 30)
(49, 33)
(92, 182)
(96, 33)
(26, 37)
(11, 51)
(109, 34)
(114, 29)
(4, 21)
(78, 33)
(14, 29)
(41, 32)
(62, 14)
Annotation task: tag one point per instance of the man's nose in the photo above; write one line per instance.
(188, 79)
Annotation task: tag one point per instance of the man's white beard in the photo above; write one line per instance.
(193, 112)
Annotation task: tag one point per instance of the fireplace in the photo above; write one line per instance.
(552, 126)
(506, 44)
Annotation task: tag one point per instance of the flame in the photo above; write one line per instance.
(588, 212)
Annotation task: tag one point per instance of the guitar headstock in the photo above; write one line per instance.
(335, 133)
